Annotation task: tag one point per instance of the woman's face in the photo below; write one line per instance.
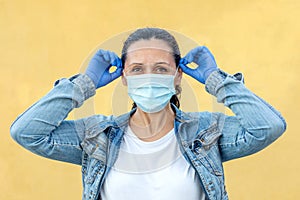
(150, 56)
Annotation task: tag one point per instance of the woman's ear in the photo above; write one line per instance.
(178, 77)
(124, 81)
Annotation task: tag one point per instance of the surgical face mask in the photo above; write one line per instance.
(151, 92)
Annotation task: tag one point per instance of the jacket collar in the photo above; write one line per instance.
(122, 120)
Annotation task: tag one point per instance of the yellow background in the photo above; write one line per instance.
(41, 41)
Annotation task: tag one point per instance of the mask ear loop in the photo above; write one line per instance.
(124, 73)
(176, 71)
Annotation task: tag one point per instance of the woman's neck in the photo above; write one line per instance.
(152, 126)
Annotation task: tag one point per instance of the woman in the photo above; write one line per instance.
(155, 151)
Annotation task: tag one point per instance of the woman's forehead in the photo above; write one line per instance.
(149, 55)
(149, 44)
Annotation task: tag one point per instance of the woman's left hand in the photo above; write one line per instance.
(205, 61)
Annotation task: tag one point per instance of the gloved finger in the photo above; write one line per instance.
(191, 56)
(208, 52)
(186, 69)
(113, 58)
(97, 56)
(117, 62)
(116, 73)
(198, 49)
(99, 52)
(195, 54)
(106, 56)
(183, 61)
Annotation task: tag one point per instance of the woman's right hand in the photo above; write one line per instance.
(99, 65)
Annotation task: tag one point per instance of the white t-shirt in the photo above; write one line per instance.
(151, 171)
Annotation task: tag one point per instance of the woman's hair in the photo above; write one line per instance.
(148, 34)
(160, 34)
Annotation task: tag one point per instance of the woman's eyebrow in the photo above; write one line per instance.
(157, 63)
(135, 64)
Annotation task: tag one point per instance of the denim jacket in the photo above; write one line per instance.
(206, 139)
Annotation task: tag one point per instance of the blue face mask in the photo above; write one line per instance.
(151, 92)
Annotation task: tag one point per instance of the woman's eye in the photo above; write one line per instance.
(136, 69)
(161, 69)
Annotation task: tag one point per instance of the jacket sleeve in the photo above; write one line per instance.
(256, 124)
(43, 129)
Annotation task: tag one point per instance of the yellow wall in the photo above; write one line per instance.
(41, 41)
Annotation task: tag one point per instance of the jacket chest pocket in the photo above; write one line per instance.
(206, 150)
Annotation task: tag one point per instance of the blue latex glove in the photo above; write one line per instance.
(99, 65)
(205, 61)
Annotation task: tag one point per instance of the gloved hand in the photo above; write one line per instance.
(205, 61)
(98, 68)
